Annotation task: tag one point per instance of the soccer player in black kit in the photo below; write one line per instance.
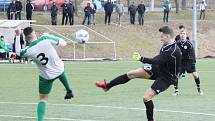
(164, 69)
(188, 63)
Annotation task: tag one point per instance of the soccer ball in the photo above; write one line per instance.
(82, 36)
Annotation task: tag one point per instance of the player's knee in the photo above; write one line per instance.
(148, 95)
(44, 98)
(195, 75)
(130, 75)
(146, 98)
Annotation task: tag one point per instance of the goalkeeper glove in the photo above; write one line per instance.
(136, 56)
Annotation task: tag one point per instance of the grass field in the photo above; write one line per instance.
(19, 95)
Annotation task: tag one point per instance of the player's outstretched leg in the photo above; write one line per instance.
(118, 80)
(122, 79)
(197, 81)
(65, 82)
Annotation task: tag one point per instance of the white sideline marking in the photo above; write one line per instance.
(25, 67)
(29, 117)
(114, 107)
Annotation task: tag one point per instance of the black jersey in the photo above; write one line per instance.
(187, 49)
(167, 62)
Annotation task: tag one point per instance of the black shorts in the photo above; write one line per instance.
(188, 67)
(160, 84)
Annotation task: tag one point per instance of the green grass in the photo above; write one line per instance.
(19, 84)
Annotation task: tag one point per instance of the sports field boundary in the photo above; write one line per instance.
(58, 119)
(114, 107)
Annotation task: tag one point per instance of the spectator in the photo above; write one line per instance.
(119, 13)
(3, 48)
(108, 7)
(132, 9)
(71, 13)
(65, 12)
(87, 11)
(202, 7)
(18, 46)
(12, 9)
(141, 10)
(8, 11)
(166, 6)
(29, 10)
(93, 15)
(18, 4)
(54, 11)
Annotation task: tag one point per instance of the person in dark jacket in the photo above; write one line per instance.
(65, 12)
(8, 11)
(87, 11)
(54, 11)
(71, 12)
(12, 9)
(132, 10)
(108, 7)
(18, 4)
(141, 10)
(29, 10)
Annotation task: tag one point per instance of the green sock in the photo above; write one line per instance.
(64, 80)
(41, 107)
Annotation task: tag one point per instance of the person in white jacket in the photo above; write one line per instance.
(202, 8)
(119, 13)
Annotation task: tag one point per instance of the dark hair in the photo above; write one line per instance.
(181, 26)
(167, 30)
(27, 31)
(1, 36)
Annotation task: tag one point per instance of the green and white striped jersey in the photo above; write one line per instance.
(42, 52)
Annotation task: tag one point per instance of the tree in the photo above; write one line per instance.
(177, 5)
(128, 3)
(152, 5)
(76, 8)
(184, 4)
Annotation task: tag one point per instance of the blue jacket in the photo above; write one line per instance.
(108, 7)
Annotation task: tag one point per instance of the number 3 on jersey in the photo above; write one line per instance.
(42, 58)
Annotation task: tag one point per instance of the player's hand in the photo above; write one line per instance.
(18, 31)
(136, 56)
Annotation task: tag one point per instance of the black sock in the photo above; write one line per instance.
(149, 109)
(176, 86)
(118, 80)
(197, 80)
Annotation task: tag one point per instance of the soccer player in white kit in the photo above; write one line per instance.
(50, 66)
